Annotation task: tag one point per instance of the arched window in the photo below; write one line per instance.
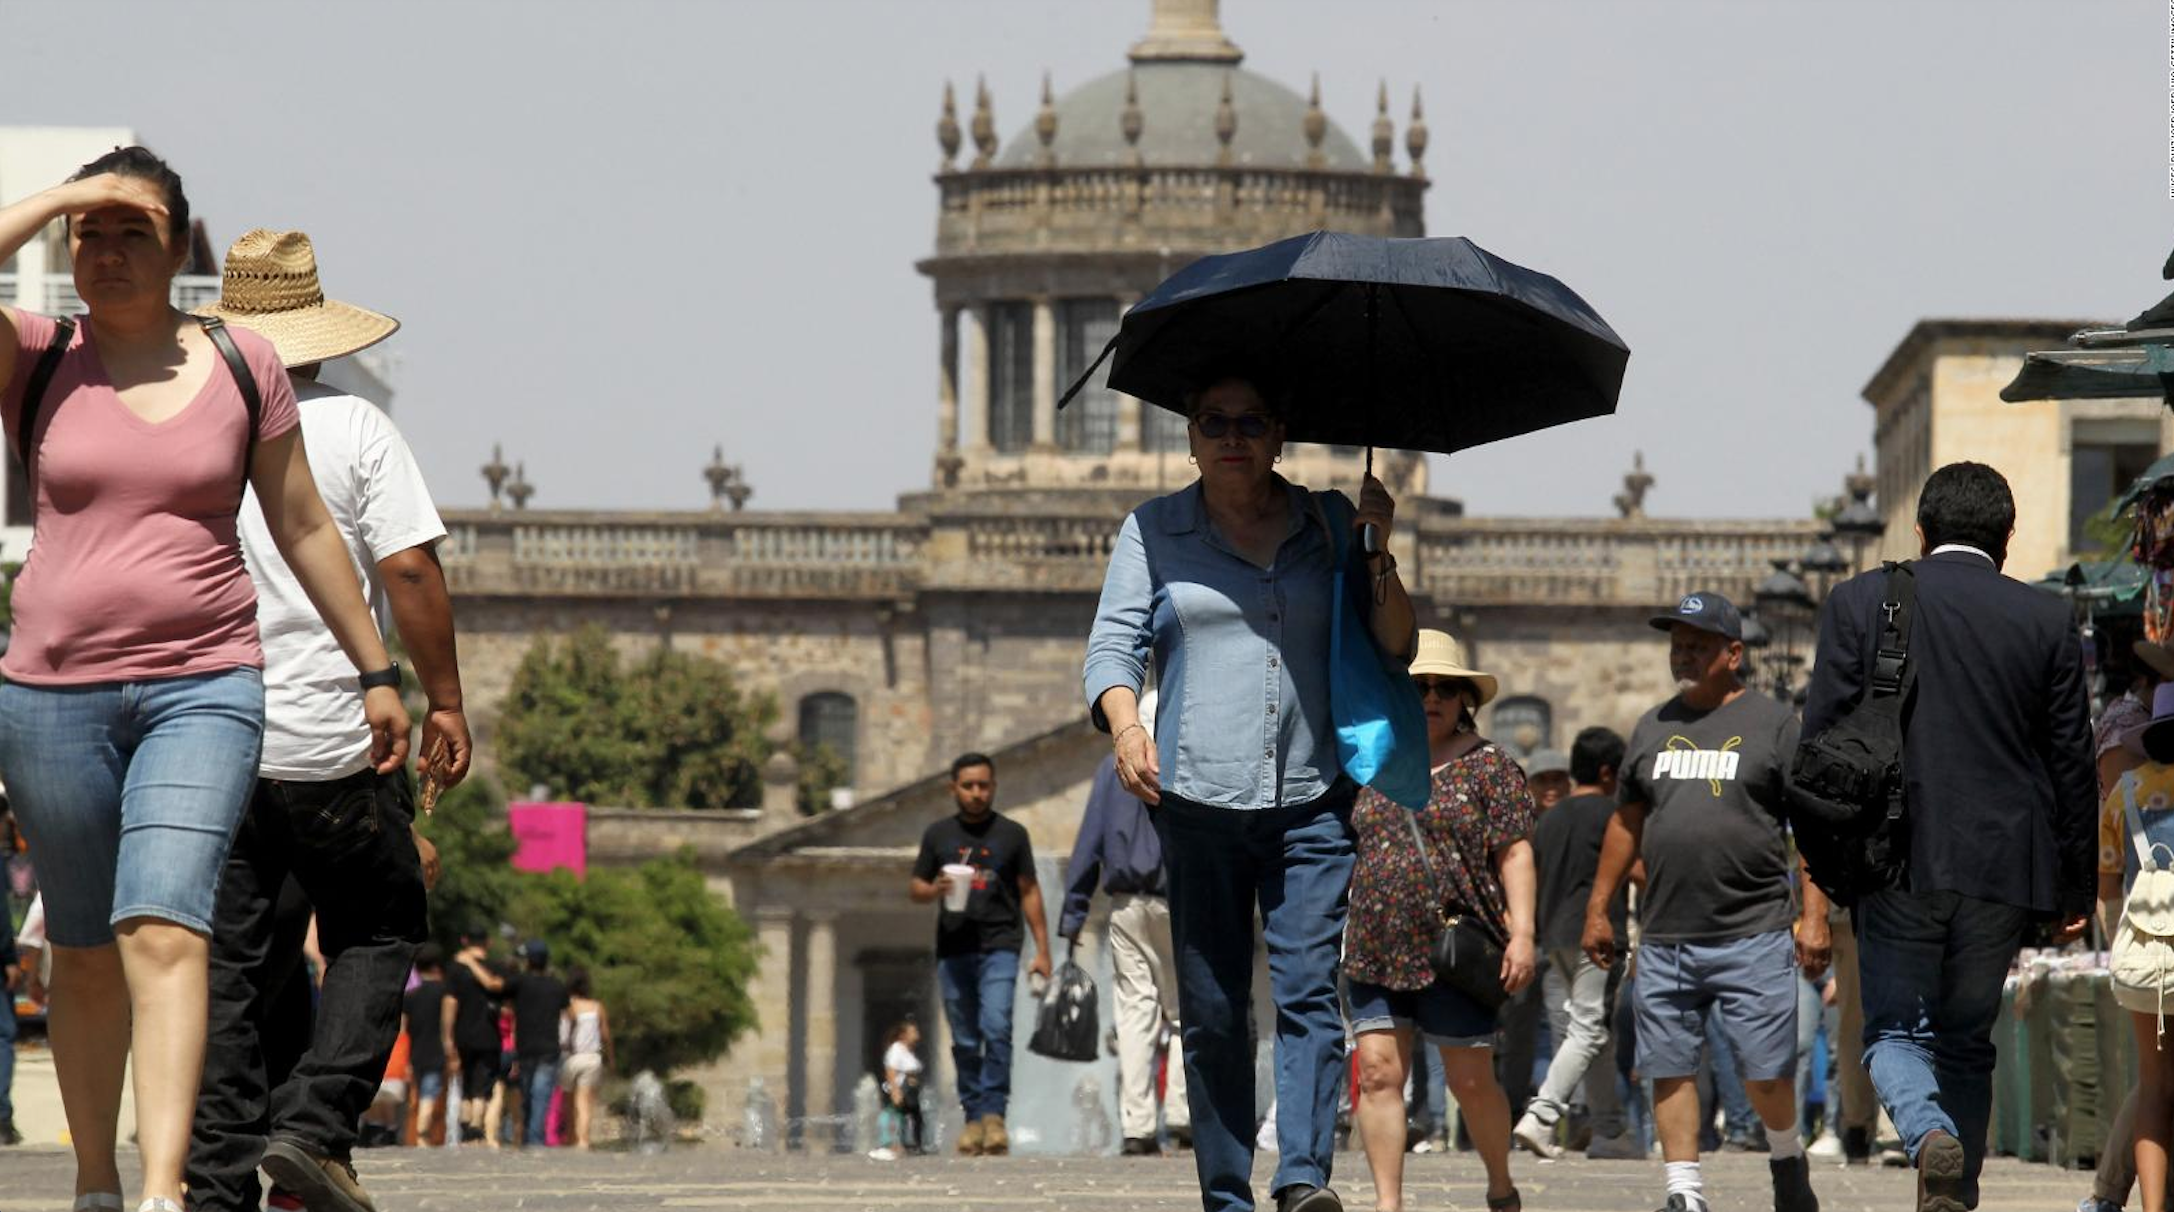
(1523, 725)
(831, 719)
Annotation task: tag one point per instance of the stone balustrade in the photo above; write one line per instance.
(1041, 543)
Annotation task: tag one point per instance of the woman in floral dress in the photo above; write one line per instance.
(1476, 825)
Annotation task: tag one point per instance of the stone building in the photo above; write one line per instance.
(958, 621)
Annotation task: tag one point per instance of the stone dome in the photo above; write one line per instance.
(1178, 102)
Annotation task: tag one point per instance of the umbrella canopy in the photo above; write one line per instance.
(2161, 470)
(1417, 344)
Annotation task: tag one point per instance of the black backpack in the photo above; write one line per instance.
(41, 376)
(1846, 784)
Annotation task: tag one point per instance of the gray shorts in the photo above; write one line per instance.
(1751, 983)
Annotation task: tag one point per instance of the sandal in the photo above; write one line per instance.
(1513, 1202)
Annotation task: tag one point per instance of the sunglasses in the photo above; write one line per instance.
(1215, 425)
(1441, 687)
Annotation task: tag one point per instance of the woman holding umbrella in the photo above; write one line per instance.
(1228, 584)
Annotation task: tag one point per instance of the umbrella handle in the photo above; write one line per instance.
(1370, 534)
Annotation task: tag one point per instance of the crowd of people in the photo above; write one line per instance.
(1648, 897)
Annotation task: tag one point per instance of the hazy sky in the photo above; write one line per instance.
(620, 233)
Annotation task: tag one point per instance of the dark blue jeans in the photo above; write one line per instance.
(1932, 966)
(1294, 863)
(539, 1079)
(977, 993)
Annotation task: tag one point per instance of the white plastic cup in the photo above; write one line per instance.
(962, 886)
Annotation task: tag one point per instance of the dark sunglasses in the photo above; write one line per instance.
(1444, 687)
(1215, 425)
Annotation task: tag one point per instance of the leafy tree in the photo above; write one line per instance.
(476, 880)
(821, 770)
(664, 954)
(670, 731)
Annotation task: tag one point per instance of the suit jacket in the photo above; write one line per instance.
(1997, 765)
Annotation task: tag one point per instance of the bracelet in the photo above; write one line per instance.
(1381, 579)
(1122, 731)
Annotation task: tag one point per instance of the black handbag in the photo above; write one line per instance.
(1466, 955)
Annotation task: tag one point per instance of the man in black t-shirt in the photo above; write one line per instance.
(539, 1003)
(430, 1033)
(473, 987)
(977, 948)
(1566, 844)
(1702, 802)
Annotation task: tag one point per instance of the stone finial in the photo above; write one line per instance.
(1415, 136)
(1859, 484)
(1045, 124)
(1226, 124)
(984, 125)
(1131, 121)
(947, 128)
(1384, 132)
(495, 473)
(1316, 126)
(727, 483)
(1186, 31)
(1631, 502)
(520, 490)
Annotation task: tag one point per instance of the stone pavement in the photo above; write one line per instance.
(697, 1177)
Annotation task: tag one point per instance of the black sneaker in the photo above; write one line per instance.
(1856, 1146)
(1940, 1167)
(1138, 1146)
(1302, 1198)
(1676, 1203)
(8, 1134)
(1793, 1185)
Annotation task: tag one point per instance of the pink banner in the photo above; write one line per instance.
(550, 836)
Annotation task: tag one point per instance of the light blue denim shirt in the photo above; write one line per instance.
(1241, 652)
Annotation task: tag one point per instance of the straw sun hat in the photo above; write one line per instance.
(1440, 655)
(270, 288)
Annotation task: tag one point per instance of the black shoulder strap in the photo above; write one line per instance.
(252, 399)
(41, 377)
(1892, 670)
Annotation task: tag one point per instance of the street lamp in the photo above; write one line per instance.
(1784, 598)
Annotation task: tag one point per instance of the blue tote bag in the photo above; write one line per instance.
(1381, 727)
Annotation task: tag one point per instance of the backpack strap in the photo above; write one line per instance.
(2146, 853)
(1893, 673)
(41, 377)
(252, 399)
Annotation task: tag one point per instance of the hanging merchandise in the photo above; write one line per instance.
(2153, 543)
(2159, 606)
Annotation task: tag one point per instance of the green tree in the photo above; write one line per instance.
(669, 731)
(663, 952)
(821, 770)
(476, 880)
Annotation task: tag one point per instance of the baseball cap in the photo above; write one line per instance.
(1547, 761)
(538, 951)
(1706, 611)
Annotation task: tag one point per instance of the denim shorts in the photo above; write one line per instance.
(428, 1086)
(129, 793)
(1442, 1016)
(1749, 983)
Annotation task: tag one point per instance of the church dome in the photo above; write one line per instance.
(1178, 102)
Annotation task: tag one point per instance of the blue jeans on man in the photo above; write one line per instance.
(1293, 863)
(539, 1081)
(1932, 965)
(977, 991)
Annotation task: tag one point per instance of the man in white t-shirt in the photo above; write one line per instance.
(325, 828)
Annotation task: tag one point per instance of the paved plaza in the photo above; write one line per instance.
(710, 1176)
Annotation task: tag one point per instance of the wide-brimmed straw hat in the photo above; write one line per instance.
(1441, 656)
(270, 287)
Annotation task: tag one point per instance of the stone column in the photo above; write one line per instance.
(947, 382)
(773, 997)
(819, 1002)
(1045, 375)
(974, 356)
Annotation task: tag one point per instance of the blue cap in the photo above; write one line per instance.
(538, 951)
(1706, 611)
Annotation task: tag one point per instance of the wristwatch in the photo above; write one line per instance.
(388, 676)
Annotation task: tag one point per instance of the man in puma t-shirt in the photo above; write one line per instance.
(1702, 801)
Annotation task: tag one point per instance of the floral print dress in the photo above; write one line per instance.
(1479, 805)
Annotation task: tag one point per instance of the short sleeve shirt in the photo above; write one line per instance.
(475, 1010)
(2150, 787)
(313, 724)
(998, 850)
(539, 999)
(1478, 805)
(136, 571)
(1716, 844)
(1566, 853)
(425, 1005)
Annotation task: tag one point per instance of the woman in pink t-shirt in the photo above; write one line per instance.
(134, 706)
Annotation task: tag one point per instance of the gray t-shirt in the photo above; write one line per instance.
(1716, 847)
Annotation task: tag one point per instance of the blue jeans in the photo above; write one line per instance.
(1932, 964)
(1294, 863)
(129, 793)
(977, 993)
(539, 1080)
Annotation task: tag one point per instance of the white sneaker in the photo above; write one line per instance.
(1536, 1137)
(885, 1153)
(1827, 1148)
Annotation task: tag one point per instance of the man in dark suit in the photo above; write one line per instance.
(2001, 802)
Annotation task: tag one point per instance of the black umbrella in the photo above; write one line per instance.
(1415, 344)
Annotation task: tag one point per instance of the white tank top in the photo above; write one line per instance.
(588, 1033)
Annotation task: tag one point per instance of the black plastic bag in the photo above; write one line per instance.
(1067, 1027)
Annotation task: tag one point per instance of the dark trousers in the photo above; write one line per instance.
(345, 845)
(1293, 866)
